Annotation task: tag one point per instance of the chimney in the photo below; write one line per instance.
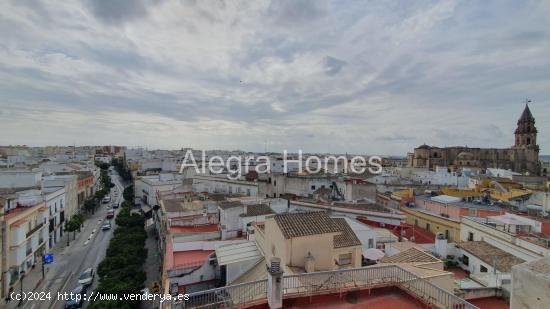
(275, 284)
(441, 245)
(310, 263)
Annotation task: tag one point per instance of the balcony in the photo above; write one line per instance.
(329, 282)
(36, 228)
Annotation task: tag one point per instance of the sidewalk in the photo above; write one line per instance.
(152, 265)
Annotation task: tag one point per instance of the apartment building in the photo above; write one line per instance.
(24, 226)
(70, 183)
(441, 214)
(187, 217)
(55, 202)
(85, 184)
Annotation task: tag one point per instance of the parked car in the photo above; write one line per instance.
(106, 199)
(110, 214)
(116, 205)
(86, 277)
(76, 298)
(106, 226)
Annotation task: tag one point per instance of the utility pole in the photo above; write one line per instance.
(43, 274)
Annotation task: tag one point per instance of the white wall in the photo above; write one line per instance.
(22, 179)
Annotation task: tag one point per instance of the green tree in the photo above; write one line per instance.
(72, 225)
(90, 205)
(128, 194)
(122, 269)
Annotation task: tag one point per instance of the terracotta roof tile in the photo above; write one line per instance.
(491, 254)
(227, 204)
(412, 255)
(257, 210)
(305, 224)
(347, 238)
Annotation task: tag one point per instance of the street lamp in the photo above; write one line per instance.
(22, 273)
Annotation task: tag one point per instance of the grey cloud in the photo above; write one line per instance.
(120, 11)
(296, 12)
(339, 75)
(332, 65)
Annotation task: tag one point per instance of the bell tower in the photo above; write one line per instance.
(526, 132)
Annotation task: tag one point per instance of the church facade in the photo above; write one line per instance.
(523, 157)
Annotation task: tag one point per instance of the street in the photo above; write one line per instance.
(88, 250)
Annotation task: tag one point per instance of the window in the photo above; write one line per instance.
(344, 259)
(470, 236)
(447, 234)
(371, 243)
(312, 187)
(465, 260)
(428, 227)
(482, 269)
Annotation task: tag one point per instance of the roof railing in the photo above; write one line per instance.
(328, 282)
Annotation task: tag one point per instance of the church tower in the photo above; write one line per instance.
(526, 132)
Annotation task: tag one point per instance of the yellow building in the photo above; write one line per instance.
(498, 189)
(310, 242)
(434, 223)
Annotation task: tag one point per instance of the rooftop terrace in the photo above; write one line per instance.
(387, 286)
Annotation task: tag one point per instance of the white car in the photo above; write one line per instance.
(86, 277)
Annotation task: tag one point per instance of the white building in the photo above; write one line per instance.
(70, 183)
(366, 234)
(499, 172)
(103, 158)
(55, 202)
(531, 285)
(441, 176)
(299, 185)
(20, 179)
(515, 234)
(222, 184)
(146, 187)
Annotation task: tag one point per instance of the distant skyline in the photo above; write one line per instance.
(376, 77)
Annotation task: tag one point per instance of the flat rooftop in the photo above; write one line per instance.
(382, 298)
(459, 203)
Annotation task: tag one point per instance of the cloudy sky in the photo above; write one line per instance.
(338, 76)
